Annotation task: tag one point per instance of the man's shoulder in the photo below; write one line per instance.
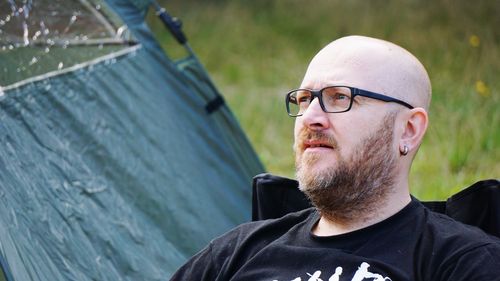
(451, 239)
(446, 228)
(447, 247)
(264, 231)
(228, 253)
(281, 224)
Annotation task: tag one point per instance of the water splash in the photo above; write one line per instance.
(44, 30)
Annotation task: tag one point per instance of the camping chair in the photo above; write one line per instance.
(476, 205)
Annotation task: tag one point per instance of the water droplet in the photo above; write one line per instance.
(33, 61)
(121, 30)
(47, 49)
(4, 48)
(7, 18)
(47, 87)
(73, 19)
(2, 23)
(38, 33)
(60, 65)
(26, 9)
(70, 94)
(11, 47)
(98, 7)
(25, 34)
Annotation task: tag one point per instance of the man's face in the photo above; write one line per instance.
(323, 140)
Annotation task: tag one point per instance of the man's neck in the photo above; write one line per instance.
(395, 203)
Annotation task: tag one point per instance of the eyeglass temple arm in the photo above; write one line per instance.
(382, 97)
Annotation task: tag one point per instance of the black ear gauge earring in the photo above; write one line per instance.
(405, 150)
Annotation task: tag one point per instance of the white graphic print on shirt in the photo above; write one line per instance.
(361, 274)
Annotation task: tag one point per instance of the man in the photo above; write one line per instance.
(361, 114)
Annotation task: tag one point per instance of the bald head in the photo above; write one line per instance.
(371, 64)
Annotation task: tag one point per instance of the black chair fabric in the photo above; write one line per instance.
(477, 205)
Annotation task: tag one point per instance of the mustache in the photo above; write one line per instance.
(307, 134)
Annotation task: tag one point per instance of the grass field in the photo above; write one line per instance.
(257, 50)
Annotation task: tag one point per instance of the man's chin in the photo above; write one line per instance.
(310, 176)
(316, 162)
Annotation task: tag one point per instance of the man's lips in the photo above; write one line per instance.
(310, 144)
(315, 141)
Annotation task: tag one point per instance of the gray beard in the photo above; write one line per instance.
(353, 190)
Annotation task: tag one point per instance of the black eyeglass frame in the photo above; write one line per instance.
(354, 91)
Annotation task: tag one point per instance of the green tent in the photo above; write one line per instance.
(116, 162)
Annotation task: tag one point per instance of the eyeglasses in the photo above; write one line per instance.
(332, 99)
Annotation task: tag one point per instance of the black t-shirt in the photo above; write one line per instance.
(414, 244)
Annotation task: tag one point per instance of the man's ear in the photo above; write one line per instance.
(416, 121)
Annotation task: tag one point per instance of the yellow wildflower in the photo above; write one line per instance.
(474, 41)
(482, 89)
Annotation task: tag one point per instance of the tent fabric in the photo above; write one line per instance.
(114, 169)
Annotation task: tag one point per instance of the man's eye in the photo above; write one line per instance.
(303, 99)
(339, 96)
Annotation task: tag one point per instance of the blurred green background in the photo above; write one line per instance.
(258, 50)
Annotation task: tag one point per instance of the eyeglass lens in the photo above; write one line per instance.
(334, 99)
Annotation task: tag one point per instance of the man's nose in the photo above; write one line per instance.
(314, 117)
